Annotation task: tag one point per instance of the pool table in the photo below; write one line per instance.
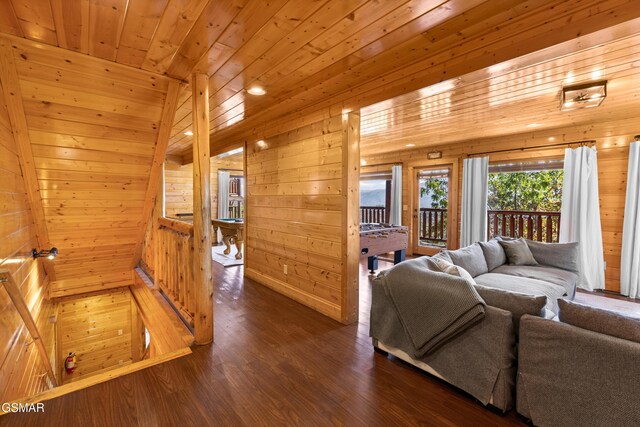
(232, 229)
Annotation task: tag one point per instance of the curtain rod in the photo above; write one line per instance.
(563, 144)
(382, 164)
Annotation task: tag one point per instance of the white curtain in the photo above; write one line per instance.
(630, 263)
(395, 214)
(223, 199)
(475, 180)
(580, 214)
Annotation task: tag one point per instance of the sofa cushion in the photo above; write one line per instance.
(557, 276)
(523, 285)
(560, 255)
(599, 320)
(443, 255)
(517, 303)
(493, 254)
(518, 252)
(471, 259)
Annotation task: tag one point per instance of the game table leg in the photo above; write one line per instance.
(399, 256)
(372, 264)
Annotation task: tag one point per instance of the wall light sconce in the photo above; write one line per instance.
(587, 95)
(51, 253)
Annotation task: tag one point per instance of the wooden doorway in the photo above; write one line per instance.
(433, 224)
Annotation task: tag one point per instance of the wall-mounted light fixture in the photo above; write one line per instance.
(587, 95)
(50, 254)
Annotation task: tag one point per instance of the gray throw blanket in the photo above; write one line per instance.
(432, 306)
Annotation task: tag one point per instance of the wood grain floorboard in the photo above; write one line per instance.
(274, 362)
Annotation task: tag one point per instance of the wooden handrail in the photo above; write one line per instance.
(176, 225)
(21, 306)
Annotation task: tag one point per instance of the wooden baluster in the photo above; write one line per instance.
(558, 229)
(539, 226)
(442, 218)
(529, 228)
(503, 223)
(549, 229)
(512, 226)
(520, 225)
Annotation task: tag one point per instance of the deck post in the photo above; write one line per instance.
(202, 261)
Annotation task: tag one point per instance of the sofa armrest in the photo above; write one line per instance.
(572, 376)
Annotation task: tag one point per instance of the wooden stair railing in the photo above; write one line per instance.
(21, 306)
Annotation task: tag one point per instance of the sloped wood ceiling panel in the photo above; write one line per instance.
(93, 129)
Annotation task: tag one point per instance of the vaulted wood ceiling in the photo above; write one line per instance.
(308, 55)
(521, 96)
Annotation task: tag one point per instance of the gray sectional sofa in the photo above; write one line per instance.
(582, 369)
(481, 359)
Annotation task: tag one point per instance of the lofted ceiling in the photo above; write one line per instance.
(308, 55)
(515, 97)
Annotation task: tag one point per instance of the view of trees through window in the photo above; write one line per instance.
(526, 191)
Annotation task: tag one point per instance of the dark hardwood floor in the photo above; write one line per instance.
(274, 362)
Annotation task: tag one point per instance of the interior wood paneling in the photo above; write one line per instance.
(179, 184)
(97, 327)
(21, 369)
(93, 132)
(294, 208)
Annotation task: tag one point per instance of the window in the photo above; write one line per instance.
(524, 199)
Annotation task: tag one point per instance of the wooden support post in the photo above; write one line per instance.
(350, 215)
(21, 306)
(202, 261)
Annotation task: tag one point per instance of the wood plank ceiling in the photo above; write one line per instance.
(515, 97)
(308, 55)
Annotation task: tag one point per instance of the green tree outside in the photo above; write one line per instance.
(526, 191)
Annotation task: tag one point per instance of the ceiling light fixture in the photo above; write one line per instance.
(261, 143)
(533, 125)
(256, 90)
(410, 145)
(188, 133)
(586, 95)
(363, 162)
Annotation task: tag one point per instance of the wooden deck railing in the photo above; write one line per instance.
(372, 214)
(433, 225)
(174, 265)
(540, 226)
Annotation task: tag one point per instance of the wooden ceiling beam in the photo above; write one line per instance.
(168, 113)
(13, 97)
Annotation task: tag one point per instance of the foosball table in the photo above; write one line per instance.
(378, 239)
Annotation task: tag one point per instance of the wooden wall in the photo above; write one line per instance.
(296, 215)
(98, 328)
(92, 128)
(20, 366)
(179, 184)
(612, 138)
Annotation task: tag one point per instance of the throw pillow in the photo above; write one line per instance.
(518, 252)
(599, 320)
(471, 259)
(493, 254)
(443, 255)
(559, 255)
(518, 304)
(454, 270)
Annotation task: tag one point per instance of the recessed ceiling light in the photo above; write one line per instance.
(188, 133)
(261, 143)
(363, 162)
(410, 145)
(533, 125)
(256, 90)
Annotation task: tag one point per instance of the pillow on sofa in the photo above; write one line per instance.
(471, 259)
(599, 320)
(443, 255)
(452, 269)
(493, 254)
(518, 304)
(559, 255)
(518, 253)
